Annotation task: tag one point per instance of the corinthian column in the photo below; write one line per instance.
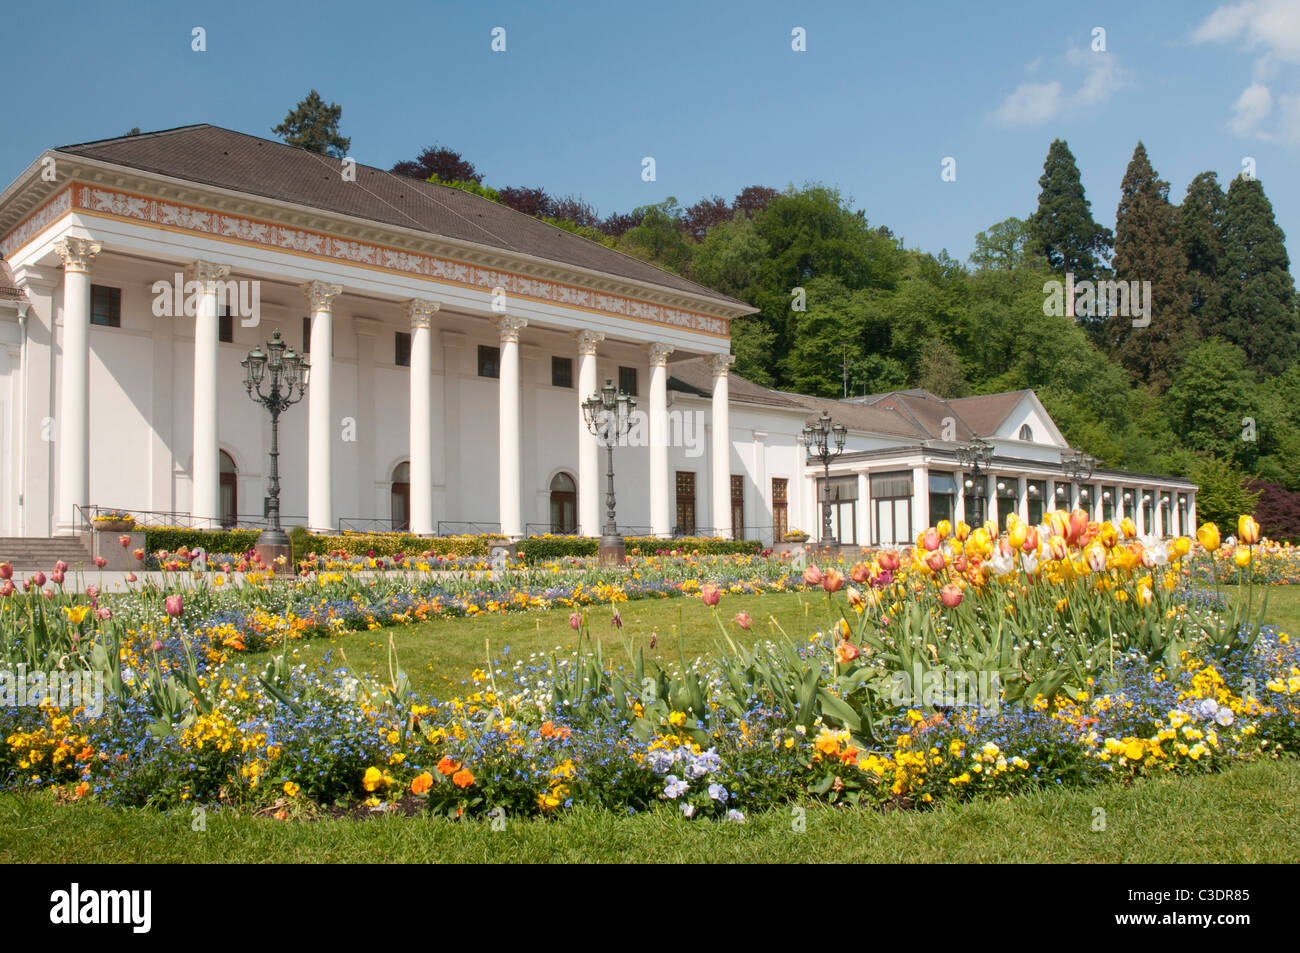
(720, 364)
(74, 400)
(508, 426)
(205, 506)
(421, 314)
(660, 518)
(320, 457)
(588, 452)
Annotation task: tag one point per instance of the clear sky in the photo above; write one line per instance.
(713, 91)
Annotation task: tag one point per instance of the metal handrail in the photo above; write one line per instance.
(84, 516)
(451, 528)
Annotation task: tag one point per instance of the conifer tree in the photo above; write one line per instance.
(1200, 235)
(1062, 229)
(1259, 292)
(314, 126)
(1147, 250)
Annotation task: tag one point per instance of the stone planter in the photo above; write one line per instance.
(114, 526)
(107, 544)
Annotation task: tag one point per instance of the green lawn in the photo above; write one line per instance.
(440, 654)
(1246, 815)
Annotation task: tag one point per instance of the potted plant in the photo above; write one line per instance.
(114, 521)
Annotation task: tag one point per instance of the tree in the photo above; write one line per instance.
(1211, 397)
(753, 199)
(658, 237)
(573, 209)
(703, 215)
(1004, 246)
(529, 201)
(1258, 289)
(1223, 496)
(1200, 235)
(314, 126)
(939, 370)
(447, 164)
(1062, 228)
(1147, 250)
(1277, 510)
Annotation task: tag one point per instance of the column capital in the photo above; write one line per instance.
(659, 354)
(587, 341)
(206, 273)
(509, 326)
(720, 364)
(320, 294)
(77, 253)
(420, 311)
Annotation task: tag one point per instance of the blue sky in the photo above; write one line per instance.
(714, 92)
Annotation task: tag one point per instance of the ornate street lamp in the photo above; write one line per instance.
(824, 441)
(1078, 467)
(609, 416)
(975, 456)
(285, 375)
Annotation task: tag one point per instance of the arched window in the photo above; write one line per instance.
(1027, 433)
(564, 504)
(229, 491)
(401, 497)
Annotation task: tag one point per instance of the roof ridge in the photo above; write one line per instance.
(143, 135)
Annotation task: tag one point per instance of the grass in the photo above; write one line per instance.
(1245, 815)
(439, 655)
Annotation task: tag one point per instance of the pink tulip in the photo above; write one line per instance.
(155, 646)
(138, 554)
(48, 593)
(103, 614)
(124, 540)
(6, 588)
(131, 577)
(57, 576)
(860, 572)
(60, 566)
(889, 561)
(575, 621)
(711, 595)
(833, 581)
(100, 562)
(935, 561)
(38, 580)
(950, 596)
(1030, 544)
(743, 620)
(617, 620)
(930, 539)
(175, 606)
(6, 571)
(812, 576)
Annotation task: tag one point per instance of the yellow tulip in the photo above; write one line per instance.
(1247, 530)
(962, 530)
(1208, 536)
(1128, 527)
(1182, 546)
(944, 528)
(1241, 557)
(76, 614)
(1016, 534)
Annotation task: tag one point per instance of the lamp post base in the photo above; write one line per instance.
(271, 545)
(612, 551)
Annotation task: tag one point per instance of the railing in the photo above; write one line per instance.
(450, 528)
(84, 516)
(362, 524)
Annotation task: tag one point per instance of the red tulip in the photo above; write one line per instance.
(138, 554)
(1030, 544)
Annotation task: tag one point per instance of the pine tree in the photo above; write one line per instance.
(1200, 235)
(314, 126)
(1259, 292)
(1147, 250)
(1062, 229)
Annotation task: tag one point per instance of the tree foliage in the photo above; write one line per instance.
(314, 125)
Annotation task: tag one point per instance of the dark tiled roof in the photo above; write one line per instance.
(912, 414)
(213, 156)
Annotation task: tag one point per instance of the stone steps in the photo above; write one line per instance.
(29, 554)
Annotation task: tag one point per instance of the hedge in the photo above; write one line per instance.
(172, 538)
(386, 544)
(537, 549)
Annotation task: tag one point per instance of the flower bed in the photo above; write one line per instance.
(977, 663)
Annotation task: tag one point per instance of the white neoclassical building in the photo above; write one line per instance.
(451, 343)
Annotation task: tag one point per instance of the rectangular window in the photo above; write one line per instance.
(106, 306)
(627, 380)
(780, 508)
(306, 335)
(489, 361)
(226, 327)
(685, 503)
(402, 349)
(1108, 495)
(737, 507)
(891, 502)
(1036, 490)
(561, 372)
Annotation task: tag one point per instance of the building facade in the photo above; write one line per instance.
(451, 343)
